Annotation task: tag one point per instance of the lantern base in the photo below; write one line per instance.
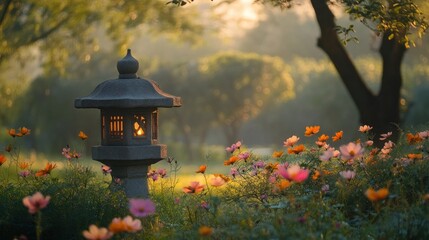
(133, 178)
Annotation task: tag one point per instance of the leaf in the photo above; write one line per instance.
(391, 36)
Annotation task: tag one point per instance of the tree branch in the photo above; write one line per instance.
(331, 45)
(48, 32)
(5, 10)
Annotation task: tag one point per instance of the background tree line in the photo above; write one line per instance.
(261, 97)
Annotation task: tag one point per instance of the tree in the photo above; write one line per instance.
(394, 21)
(240, 85)
(64, 32)
(70, 30)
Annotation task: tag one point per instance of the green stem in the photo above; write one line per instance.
(39, 225)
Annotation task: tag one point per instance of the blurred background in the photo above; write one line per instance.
(245, 71)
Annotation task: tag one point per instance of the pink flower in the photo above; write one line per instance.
(217, 181)
(233, 147)
(96, 233)
(384, 136)
(424, 134)
(364, 128)
(234, 172)
(162, 172)
(349, 175)
(369, 143)
(244, 155)
(24, 173)
(36, 202)
(351, 151)
(141, 207)
(327, 155)
(105, 169)
(204, 205)
(294, 173)
(194, 187)
(291, 141)
(259, 164)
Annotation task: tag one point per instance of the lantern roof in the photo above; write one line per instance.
(128, 91)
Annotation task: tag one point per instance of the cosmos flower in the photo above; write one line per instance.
(36, 202)
(338, 136)
(294, 173)
(233, 147)
(47, 170)
(231, 160)
(291, 141)
(106, 169)
(311, 130)
(277, 154)
(378, 195)
(351, 151)
(205, 231)
(297, 149)
(348, 175)
(127, 224)
(82, 135)
(413, 138)
(202, 169)
(141, 207)
(194, 187)
(96, 233)
(217, 181)
(384, 136)
(364, 128)
(2, 159)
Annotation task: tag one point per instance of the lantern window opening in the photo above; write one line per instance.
(139, 126)
(103, 127)
(116, 129)
(154, 125)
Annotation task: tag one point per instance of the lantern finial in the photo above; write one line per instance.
(128, 66)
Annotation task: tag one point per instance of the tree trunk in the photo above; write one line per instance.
(379, 111)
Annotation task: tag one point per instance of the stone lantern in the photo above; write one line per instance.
(129, 125)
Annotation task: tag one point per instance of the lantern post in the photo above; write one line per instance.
(129, 125)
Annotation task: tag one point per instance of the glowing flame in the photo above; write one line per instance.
(140, 132)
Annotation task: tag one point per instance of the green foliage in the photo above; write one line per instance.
(71, 26)
(256, 201)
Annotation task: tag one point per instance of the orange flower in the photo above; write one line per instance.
(311, 130)
(316, 175)
(277, 154)
(323, 138)
(296, 150)
(205, 231)
(412, 139)
(127, 224)
(225, 178)
(375, 196)
(82, 135)
(12, 132)
(24, 131)
(415, 156)
(195, 187)
(271, 166)
(47, 170)
(231, 160)
(202, 169)
(23, 165)
(338, 136)
(2, 159)
(283, 184)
